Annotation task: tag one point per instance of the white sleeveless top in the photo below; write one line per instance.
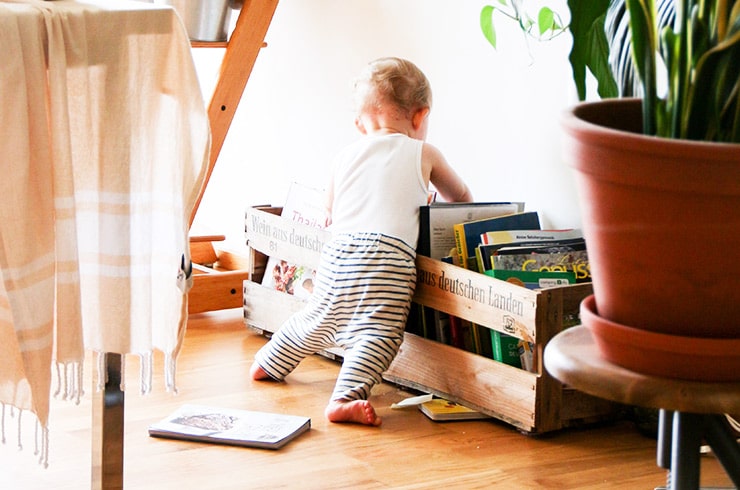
(378, 187)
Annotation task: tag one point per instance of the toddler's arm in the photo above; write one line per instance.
(439, 173)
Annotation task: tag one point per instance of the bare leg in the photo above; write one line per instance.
(353, 411)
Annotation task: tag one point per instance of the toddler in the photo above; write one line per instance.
(367, 275)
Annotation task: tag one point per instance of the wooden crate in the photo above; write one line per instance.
(534, 402)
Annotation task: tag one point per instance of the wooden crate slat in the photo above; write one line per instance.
(266, 309)
(476, 297)
(496, 389)
(279, 237)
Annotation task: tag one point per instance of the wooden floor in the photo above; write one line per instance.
(409, 451)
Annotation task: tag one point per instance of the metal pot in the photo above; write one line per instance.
(205, 20)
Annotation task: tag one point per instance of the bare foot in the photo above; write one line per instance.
(257, 373)
(354, 411)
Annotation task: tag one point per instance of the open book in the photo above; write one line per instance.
(231, 426)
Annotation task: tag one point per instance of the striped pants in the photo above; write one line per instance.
(361, 300)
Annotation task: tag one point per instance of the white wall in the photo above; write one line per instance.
(495, 113)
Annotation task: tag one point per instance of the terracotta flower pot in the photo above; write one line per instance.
(658, 354)
(661, 218)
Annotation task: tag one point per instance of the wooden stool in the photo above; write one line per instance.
(690, 411)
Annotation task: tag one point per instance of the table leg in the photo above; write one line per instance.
(108, 414)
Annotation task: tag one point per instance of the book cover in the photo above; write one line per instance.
(517, 236)
(534, 279)
(561, 258)
(230, 426)
(436, 222)
(467, 235)
(484, 253)
(305, 205)
(439, 409)
(506, 348)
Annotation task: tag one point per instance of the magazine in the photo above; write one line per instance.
(231, 426)
(305, 205)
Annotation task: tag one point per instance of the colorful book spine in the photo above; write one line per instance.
(519, 236)
(467, 235)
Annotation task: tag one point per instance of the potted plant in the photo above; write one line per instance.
(658, 180)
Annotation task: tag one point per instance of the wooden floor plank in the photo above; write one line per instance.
(409, 451)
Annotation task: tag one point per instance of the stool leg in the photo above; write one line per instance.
(688, 431)
(664, 438)
(719, 436)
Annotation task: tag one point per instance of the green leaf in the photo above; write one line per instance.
(590, 47)
(598, 64)
(711, 112)
(670, 48)
(486, 24)
(644, 48)
(545, 20)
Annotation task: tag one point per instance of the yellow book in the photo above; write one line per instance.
(439, 409)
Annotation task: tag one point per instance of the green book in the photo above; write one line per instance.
(505, 348)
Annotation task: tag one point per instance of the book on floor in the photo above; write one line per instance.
(439, 409)
(233, 427)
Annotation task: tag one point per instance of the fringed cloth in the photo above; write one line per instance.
(104, 138)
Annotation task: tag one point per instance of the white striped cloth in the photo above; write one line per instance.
(104, 139)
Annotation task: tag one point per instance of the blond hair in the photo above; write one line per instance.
(392, 81)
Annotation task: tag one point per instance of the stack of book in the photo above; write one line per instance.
(534, 259)
(505, 242)
(536, 254)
